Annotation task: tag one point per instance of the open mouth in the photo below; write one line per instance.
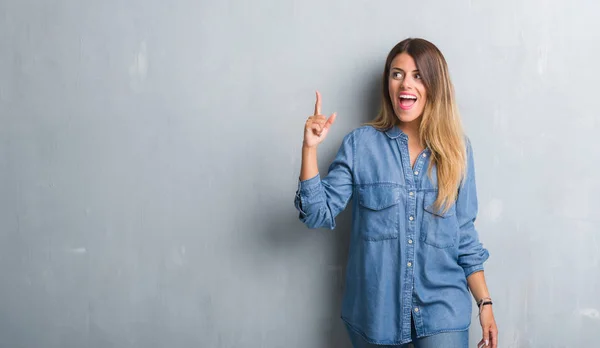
(406, 101)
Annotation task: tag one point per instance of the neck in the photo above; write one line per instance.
(411, 129)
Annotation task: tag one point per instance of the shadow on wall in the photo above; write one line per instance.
(280, 235)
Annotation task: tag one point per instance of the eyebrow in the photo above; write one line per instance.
(394, 68)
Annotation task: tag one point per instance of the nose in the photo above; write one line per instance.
(406, 83)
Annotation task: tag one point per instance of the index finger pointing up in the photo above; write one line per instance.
(318, 104)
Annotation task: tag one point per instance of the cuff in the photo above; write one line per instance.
(309, 186)
(308, 193)
(472, 269)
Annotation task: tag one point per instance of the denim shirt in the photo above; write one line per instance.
(405, 257)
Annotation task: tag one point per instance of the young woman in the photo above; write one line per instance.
(415, 257)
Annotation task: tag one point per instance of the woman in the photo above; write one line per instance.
(414, 255)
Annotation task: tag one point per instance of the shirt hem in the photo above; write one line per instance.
(444, 331)
(368, 339)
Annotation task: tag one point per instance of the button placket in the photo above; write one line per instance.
(419, 165)
(407, 276)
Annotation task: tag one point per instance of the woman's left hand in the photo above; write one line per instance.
(488, 328)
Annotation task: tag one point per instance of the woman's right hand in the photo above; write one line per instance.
(317, 126)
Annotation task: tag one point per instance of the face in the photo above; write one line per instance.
(406, 89)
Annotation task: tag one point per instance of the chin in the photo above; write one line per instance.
(407, 117)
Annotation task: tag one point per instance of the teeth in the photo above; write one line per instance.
(408, 97)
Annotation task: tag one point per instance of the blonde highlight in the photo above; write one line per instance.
(441, 129)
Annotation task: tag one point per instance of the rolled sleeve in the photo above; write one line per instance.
(319, 201)
(309, 192)
(472, 254)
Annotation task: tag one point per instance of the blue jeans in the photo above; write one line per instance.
(458, 339)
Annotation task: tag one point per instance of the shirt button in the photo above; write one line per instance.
(409, 264)
(416, 309)
(417, 173)
(411, 193)
(410, 241)
(424, 155)
(411, 218)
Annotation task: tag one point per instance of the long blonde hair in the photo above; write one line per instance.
(440, 130)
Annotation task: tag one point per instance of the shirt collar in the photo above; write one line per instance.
(395, 132)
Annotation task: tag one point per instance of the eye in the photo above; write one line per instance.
(418, 76)
(397, 75)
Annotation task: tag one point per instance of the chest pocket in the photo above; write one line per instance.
(378, 213)
(438, 229)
